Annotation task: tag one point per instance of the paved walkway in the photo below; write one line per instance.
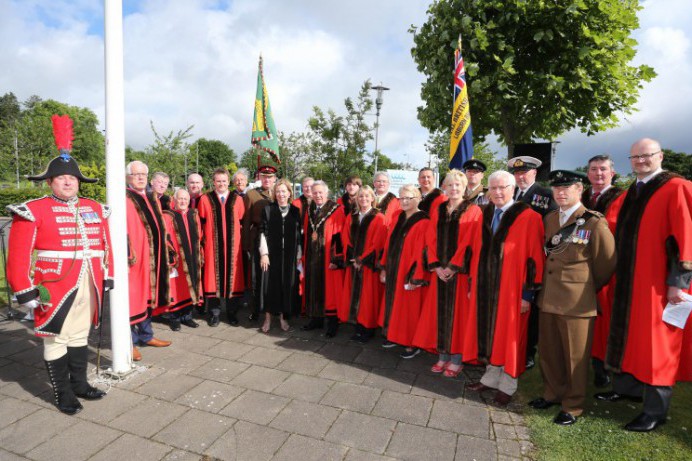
(233, 393)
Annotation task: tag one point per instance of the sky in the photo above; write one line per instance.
(194, 62)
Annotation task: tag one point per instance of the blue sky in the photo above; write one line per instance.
(194, 62)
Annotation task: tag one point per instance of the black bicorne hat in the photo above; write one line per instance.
(63, 164)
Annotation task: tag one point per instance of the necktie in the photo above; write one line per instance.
(496, 219)
(594, 199)
(223, 199)
(563, 218)
(520, 195)
(640, 184)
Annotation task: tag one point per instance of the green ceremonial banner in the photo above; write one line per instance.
(264, 135)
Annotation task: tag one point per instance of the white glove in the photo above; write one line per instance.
(33, 304)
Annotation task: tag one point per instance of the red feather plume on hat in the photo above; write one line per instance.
(62, 132)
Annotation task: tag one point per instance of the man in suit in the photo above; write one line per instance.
(581, 259)
(540, 199)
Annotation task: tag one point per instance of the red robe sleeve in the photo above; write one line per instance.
(21, 247)
(468, 242)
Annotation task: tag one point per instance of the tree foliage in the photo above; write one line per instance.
(437, 148)
(534, 68)
(212, 154)
(678, 162)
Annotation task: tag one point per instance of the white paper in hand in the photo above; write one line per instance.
(677, 314)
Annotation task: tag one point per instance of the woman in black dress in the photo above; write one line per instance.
(280, 253)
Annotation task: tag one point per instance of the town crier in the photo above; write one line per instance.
(654, 268)
(184, 231)
(73, 269)
(147, 258)
(221, 213)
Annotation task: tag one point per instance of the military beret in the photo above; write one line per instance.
(565, 177)
(523, 163)
(474, 164)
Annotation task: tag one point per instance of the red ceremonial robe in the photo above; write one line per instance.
(654, 249)
(185, 233)
(451, 241)
(347, 204)
(511, 261)
(403, 252)
(362, 290)
(323, 247)
(388, 205)
(302, 204)
(147, 256)
(431, 203)
(48, 224)
(223, 275)
(609, 207)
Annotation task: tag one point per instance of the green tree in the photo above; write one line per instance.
(438, 149)
(169, 154)
(212, 154)
(296, 151)
(534, 68)
(678, 162)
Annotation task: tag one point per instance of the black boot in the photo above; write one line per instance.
(313, 324)
(77, 361)
(63, 396)
(332, 326)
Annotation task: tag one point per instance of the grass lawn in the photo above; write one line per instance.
(598, 434)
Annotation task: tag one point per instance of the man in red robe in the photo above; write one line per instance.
(348, 201)
(223, 281)
(509, 275)
(385, 201)
(147, 258)
(654, 268)
(195, 187)
(601, 197)
(322, 258)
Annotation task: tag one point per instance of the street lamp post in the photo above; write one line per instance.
(378, 105)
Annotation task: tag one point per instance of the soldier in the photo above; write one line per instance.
(540, 199)
(73, 269)
(475, 192)
(581, 259)
(255, 200)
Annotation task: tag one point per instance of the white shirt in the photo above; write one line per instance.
(651, 176)
(361, 214)
(566, 214)
(224, 196)
(507, 205)
(601, 192)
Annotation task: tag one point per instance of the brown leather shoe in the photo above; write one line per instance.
(158, 343)
(136, 355)
(502, 399)
(478, 387)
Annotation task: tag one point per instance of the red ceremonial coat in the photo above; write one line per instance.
(609, 207)
(652, 237)
(452, 241)
(147, 256)
(223, 275)
(185, 231)
(323, 247)
(362, 290)
(66, 236)
(511, 260)
(388, 205)
(302, 204)
(403, 254)
(431, 203)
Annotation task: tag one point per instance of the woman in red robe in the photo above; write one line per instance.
(452, 241)
(402, 254)
(363, 237)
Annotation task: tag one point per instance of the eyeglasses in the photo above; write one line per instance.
(499, 188)
(643, 156)
(139, 174)
(406, 199)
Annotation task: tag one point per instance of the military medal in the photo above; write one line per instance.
(580, 222)
(556, 239)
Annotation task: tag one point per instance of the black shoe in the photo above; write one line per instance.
(201, 311)
(232, 318)
(565, 419)
(253, 317)
(77, 361)
(530, 363)
(213, 321)
(613, 396)
(644, 423)
(175, 325)
(601, 380)
(313, 324)
(388, 344)
(356, 337)
(190, 323)
(409, 354)
(541, 404)
(333, 327)
(63, 395)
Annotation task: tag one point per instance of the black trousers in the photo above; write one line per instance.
(656, 398)
(532, 335)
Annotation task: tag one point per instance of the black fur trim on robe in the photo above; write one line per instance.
(190, 246)
(427, 202)
(315, 252)
(358, 234)
(157, 242)
(396, 245)
(349, 206)
(489, 273)
(447, 239)
(603, 201)
(626, 237)
(384, 203)
(225, 267)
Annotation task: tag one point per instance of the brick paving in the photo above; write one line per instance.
(234, 393)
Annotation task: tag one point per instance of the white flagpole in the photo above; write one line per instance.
(115, 186)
